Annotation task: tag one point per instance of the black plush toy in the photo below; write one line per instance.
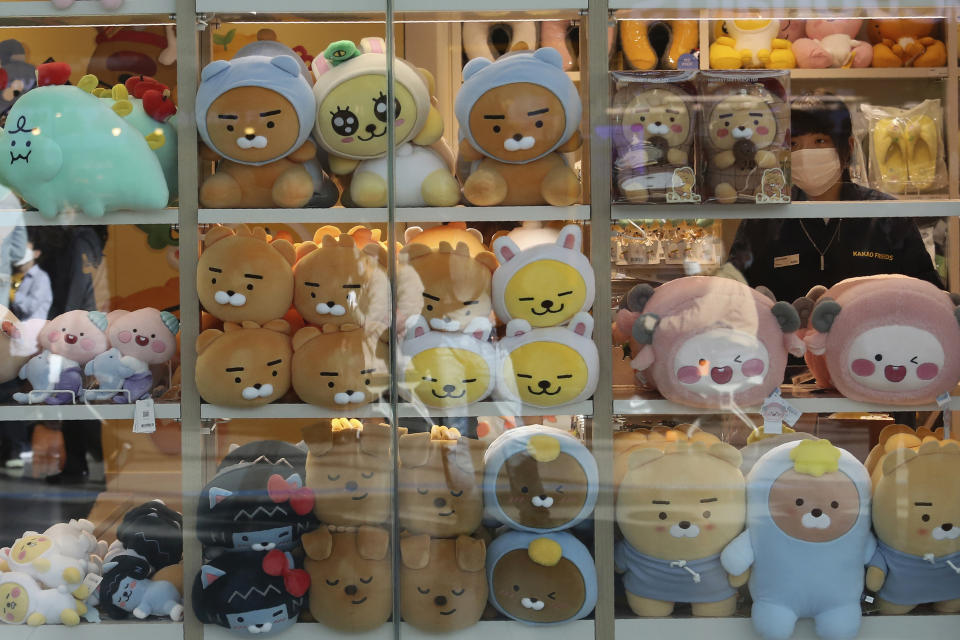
(270, 451)
(126, 589)
(251, 592)
(154, 531)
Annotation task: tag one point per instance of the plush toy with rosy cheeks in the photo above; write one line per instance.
(807, 540)
(144, 337)
(709, 342)
(885, 338)
(77, 337)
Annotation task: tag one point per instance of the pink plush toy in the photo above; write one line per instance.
(709, 342)
(79, 337)
(831, 43)
(887, 338)
(147, 336)
(791, 30)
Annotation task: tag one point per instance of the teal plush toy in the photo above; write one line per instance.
(68, 151)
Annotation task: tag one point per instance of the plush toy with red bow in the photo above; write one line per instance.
(255, 506)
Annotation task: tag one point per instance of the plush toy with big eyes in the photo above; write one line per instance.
(541, 579)
(678, 507)
(808, 517)
(244, 365)
(440, 485)
(539, 479)
(709, 342)
(351, 574)
(886, 338)
(549, 367)
(518, 115)
(245, 275)
(544, 284)
(443, 586)
(351, 124)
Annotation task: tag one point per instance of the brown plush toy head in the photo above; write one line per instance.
(350, 576)
(915, 505)
(244, 365)
(686, 500)
(244, 275)
(348, 467)
(443, 587)
(337, 369)
(338, 283)
(456, 285)
(441, 474)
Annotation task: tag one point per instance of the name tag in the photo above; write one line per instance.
(786, 261)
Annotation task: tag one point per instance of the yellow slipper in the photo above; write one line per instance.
(890, 152)
(922, 145)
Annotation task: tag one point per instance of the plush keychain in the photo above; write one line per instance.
(539, 479)
(337, 369)
(541, 579)
(446, 370)
(348, 468)
(440, 483)
(549, 367)
(678, 507)
(916, 517)
(244, 365)
(709, 342)
(153, 531)
(255, 113)
(127, 589)
(351, 124)
(544, 284)
(254, 506)
(653, 137)
(352, 577)
(59, 558)
(252, 593)
(336, 282)
(56, 133)
(68, 343)
(26, 602)
(456, 283)
(517, 116)
(244, 275)
(808, 517)
(886, 339)
(443, 583)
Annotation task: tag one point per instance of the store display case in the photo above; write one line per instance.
(433, 318)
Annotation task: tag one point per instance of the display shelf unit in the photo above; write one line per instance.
(166, 410)
(873, 209)
(303, 7)
(13, 217)
(483, 630)
(142, 630)
(870, 73)
(382, 409)
(403, 214)
(85, 8)
(875, 627)
(769, 6)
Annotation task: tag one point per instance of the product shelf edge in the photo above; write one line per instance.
(162, 410)
(85, 8)
(382, 410)
(15, 217)
(776, 5)
(403, 214)
(805, 210)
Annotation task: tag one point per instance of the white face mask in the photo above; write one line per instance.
(815, 170)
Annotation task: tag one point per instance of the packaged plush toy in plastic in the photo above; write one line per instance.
(808, 517)
(887, 339)
(743, 132)
(518, 115)
(709, 342)
(654, 129)
(351, 123)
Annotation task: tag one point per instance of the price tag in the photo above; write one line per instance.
(775, 411)
(144, 420)
(92, 581)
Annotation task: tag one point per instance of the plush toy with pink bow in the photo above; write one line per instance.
(832, 43)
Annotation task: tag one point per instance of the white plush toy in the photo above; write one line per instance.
(59, 558)
(23, 601)
(43, 372)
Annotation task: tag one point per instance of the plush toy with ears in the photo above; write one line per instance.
(337, 369)
(906, 42)
(709, 342)
(26, 602)
(59, 558)
(244, 365)
(751, 44)
(517, 116)
(443, 585)
(885, 338)
(832, 43)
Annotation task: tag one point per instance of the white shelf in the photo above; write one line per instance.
(403, 214)
(44, 9)
(483, 630)
(818, 6)
(874, 627)
(382, 409)
(255, 7)
(626, 402)
(153, 629)
(168, 410)
(865, 209)
(14, 217)
(869, 73)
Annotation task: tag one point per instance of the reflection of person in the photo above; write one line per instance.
(34, 294)
(790, 256)
(13, 240)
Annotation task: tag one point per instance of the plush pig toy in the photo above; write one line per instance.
(709, 342)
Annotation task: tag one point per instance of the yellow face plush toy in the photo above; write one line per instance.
(244, 365)
(545, 284)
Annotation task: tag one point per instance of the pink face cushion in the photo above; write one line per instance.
(889, 339)
(709, 342)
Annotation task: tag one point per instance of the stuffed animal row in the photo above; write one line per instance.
(56, 133)
(89, 356)
(886, 42)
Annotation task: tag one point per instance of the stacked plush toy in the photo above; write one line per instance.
(539, 482)
(250, 518)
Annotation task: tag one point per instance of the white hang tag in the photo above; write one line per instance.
(943, 400)
(144, 420)
(92, 581)
(775, 411)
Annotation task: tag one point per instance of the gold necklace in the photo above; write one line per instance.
(827, 248)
